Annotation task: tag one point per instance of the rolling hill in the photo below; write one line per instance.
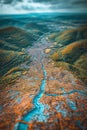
(70, 51)
(13, 43)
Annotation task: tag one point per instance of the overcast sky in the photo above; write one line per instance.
(26, 6)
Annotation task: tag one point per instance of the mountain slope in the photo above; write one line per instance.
(13, 43)
(16, 37)
(70, 51)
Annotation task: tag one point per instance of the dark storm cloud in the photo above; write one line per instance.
(61, 3)
(55, 5)
(9, 1)
(80, 2)
(70, 4)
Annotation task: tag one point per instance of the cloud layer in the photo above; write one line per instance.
(26, 6)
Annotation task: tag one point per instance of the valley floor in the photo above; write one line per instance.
(45, 97)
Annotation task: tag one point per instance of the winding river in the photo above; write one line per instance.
(38, 109)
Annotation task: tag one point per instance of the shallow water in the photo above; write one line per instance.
(66, 93)
(71, 104)
(37, 113)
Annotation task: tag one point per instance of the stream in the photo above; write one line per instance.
(37, 112)
(38, 109)
(68, 93)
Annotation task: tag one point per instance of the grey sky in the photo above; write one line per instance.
(25, 6)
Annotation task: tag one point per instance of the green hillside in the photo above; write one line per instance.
(69, 36)
(70, 51)
(13, 42)
(13, 38)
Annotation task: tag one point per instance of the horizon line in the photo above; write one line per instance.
(48, 12)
